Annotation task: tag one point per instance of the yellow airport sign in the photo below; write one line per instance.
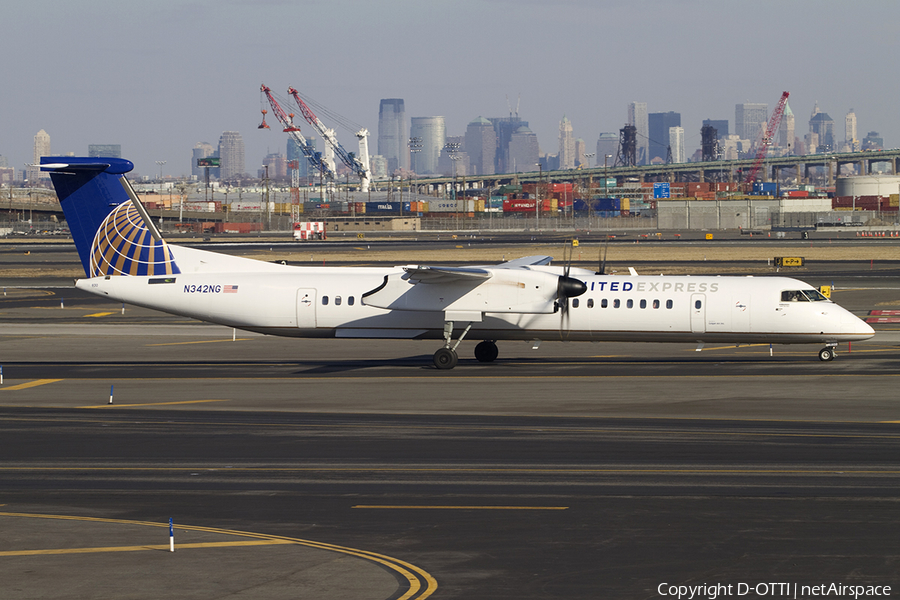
(826, 290)
(788, 261)
(709, 236)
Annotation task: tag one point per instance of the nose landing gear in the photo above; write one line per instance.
(827, 353)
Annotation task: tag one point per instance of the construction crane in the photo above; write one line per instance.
(359, 165)
(287, 121)
(763, 146)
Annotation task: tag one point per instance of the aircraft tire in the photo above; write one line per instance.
(445, 358)
(486, 351)
(826, 354)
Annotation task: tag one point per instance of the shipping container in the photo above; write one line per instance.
(450, 205)
(607, 204)
(238, 227)
(765, 188)
(387, 207)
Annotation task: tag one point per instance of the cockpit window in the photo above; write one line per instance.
(815, 295)
(802, 296)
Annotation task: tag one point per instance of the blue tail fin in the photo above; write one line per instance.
(111, 229)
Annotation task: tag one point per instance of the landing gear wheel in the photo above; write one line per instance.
(826, 354)
(486, 351)
(445, 358)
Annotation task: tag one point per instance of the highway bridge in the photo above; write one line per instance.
(720, 170)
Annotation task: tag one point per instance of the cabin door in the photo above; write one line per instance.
(306, 308)
(698, 313)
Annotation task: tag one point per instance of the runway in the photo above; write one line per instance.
(333, 468)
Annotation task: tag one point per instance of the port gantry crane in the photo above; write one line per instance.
(360, 164)
(768, 135)
(287, 121)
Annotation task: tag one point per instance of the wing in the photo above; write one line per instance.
(426, 274)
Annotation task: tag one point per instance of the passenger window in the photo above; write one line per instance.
(656, 304)
(698, 304)
(643, 304)
(590, 303)
(574, 302)
(668, 304)
(350, 301)
(616, 303)
(324, 300)
(630, 303)
(604, 303)
(337, 300)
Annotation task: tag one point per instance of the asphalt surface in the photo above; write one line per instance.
(336, 469)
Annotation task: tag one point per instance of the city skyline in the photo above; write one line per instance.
(157, 94)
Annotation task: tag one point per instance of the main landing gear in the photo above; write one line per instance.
(828, 353)
(446, 357)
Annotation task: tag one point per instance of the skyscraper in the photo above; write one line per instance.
(524, 151)
(504, 128)
(41, 148)
(431, 131)
(580, 150)
(637, 116)
(851, 139)
(786, 131)
(231, 155)
(659, 125)
(481, 146)
(607, 145)
(823, 125)
(393, 135)
(109, 150)
(201, 150)
(750, 120)
(566, 144)
(676, 143)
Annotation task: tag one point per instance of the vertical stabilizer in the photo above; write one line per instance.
(110, 228)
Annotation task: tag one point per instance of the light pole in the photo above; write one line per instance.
(588, 156)
(268, 214)
(160, 163)
(452, 148)
(537, 201)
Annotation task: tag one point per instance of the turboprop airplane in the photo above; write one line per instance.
(126, 259)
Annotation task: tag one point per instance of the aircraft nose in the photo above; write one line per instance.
(851, 324)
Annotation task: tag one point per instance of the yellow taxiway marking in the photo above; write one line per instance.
(151, 404)
(103, 314)
(421, 583)
(438, 507)
(200, 342)
(29, 384)
(140, 548)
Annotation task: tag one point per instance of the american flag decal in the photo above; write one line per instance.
(230, 289)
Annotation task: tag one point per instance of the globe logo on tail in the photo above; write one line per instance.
(124, 246)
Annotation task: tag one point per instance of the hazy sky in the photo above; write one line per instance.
(158, 76)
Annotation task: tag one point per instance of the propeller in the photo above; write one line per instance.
(567, 287)
(601, 258)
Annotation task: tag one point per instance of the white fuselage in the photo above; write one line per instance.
(331, 302)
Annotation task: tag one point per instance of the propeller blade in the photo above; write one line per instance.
(602, 258)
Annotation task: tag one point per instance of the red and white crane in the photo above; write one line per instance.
(358, 164)
(287, 122)
(769, 134)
